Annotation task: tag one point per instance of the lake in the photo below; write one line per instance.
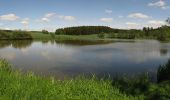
(72, 58)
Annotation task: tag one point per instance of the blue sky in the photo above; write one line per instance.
(52, 14)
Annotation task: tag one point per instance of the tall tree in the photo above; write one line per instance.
(168, 21)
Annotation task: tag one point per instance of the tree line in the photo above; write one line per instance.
(83, 30)
(160, 33)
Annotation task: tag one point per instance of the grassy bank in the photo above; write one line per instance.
(37, 35)
(106, 37)
(17, 86)
(41, 36)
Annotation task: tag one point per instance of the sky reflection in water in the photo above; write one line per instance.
(71, 58)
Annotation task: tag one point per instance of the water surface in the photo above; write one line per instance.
(70, 58)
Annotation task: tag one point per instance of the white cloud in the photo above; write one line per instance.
(107, 20)
(160, 4)
(132, 24)
(9, 17)
(69, 18)
(50, 15)
(6, 28)
(25, 21)
(138, 15)
(44, 19)
(155, 23)
(108, 11)
(166, 7)
(120, 16)
(54, 15)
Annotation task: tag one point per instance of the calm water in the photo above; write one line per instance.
(70, 58)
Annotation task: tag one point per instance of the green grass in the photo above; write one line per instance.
(17, 86)
(41, 36)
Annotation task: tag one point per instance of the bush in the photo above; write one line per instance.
(17, 34)
(60, 32)
(21, 35)
(52, 35)
(134, 85)
(163, 73)
(101, 35)
(45, 32)
(112, 35)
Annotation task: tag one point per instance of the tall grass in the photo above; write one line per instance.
(17, 86)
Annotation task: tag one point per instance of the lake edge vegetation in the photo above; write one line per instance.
(15, 85)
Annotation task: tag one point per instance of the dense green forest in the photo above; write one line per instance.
(83, 30)
(161, 33)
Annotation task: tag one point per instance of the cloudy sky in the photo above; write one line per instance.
(52, 14)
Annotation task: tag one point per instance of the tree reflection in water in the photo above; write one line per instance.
(19, 44)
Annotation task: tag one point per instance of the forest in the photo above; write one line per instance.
(160, 33)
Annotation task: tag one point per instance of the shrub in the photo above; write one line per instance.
(163, 73)
(21, 35)
(17, 34)
(101, 35)
(133, 85)
(45, 32)
(52, 35)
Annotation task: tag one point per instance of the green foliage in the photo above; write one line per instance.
(101, 35)
(5, 66)
(52, 35)
(83, 30)
(135, 85)
(168, 21)
(45, 32)
(163, 73)
(142, 86)
(90, 33)
(16, 86)
(111, 35)
(163, 33)
(60, 32)
(17, 34)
